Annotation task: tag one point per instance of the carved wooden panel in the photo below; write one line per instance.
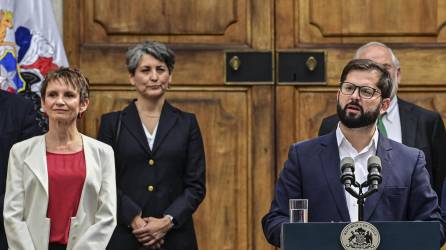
(300, 112)
(377, 17)
(186, 21)
(160, 16)
(237, 168)
(347, 21)
(422, 66)
(223, 119)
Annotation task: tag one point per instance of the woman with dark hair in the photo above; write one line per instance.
(60, 188)
(160, 162)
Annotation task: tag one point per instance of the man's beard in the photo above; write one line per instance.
(363, 120)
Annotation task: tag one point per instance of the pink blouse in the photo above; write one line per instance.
(66, 176)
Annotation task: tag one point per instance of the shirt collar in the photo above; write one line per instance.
(392, 110)
(342, 140)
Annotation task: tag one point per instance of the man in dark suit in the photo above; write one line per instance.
(312, 169)
(405, 122)
(17, 123)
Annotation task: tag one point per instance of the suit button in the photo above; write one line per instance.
(151, 162)
(150, 188)
(74, 237)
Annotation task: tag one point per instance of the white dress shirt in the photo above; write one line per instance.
(347, 150)
(392, 121)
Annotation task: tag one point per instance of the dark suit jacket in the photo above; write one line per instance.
(312, 172)
(420, 128)
(177, 175)
(17, 123)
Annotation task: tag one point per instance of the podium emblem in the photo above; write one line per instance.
(360, 235)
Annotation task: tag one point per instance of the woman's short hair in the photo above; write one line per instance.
(71, 77)
(156, 49)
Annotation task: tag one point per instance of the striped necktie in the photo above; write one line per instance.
(380, 124)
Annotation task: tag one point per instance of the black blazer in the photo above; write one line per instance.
(17, 123)
(175, 169)
(420, 128)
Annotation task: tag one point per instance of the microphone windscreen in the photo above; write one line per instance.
(374, 161)
(347, 162)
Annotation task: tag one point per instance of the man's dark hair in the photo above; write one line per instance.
(384, 82)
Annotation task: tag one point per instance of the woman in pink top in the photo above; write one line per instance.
(60, 189)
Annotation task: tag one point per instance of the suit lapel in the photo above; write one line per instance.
(131, 120)
(91, 172)
(383, 152)
(168, 119)
(36, 162)
(329, 156)
(408, 123)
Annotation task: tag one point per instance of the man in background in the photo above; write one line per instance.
(405, 122)
(17, 122)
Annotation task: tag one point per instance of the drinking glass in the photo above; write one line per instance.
(298, 210)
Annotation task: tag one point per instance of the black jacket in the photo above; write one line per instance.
(175, 168)
(17, 123)
(420, 128)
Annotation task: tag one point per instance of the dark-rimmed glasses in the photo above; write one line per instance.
(348, 88)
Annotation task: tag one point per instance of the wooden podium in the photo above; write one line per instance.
(393, 235)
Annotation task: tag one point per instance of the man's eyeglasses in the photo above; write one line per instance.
(348, 88)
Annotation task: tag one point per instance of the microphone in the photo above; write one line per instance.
(374, 167)
(347, 172)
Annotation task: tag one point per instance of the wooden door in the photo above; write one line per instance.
(236, 121)
(247, 129)
(414, 29)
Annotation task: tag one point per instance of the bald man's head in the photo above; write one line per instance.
(382, 54)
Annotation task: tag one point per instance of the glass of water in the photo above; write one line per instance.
(298, 210)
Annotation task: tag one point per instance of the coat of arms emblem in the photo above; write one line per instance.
(360, 235)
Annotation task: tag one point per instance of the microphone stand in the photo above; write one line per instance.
(361, 196)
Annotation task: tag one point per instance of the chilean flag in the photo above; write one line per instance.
(38, 45)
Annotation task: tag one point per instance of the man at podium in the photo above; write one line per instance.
(312, 170)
